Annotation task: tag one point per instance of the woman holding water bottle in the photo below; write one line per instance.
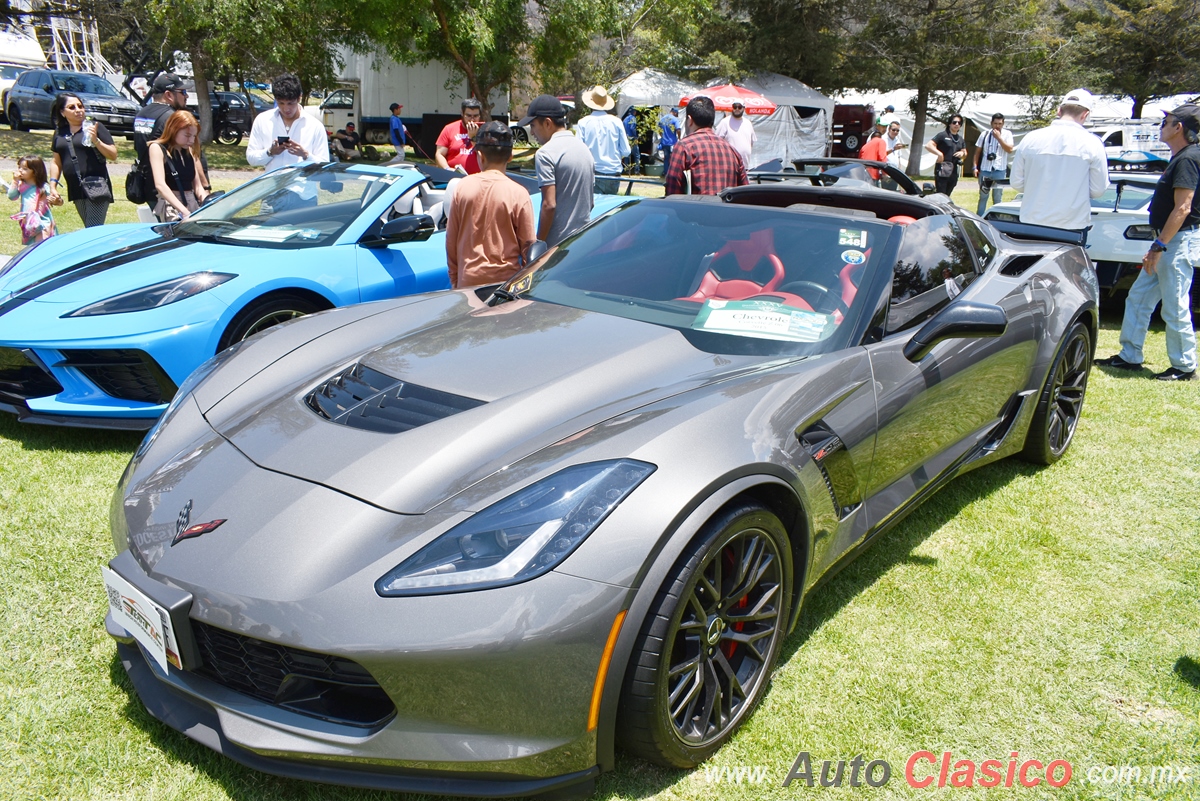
(81, 147)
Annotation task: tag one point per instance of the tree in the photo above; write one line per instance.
(933, 45)
(1145, 49)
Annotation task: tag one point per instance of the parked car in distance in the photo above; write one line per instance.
(1120, 231)
(28, 102)
(232, 117)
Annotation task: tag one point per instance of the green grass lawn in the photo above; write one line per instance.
(1052, 612)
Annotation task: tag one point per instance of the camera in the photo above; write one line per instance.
(986, 184)
(991, 156)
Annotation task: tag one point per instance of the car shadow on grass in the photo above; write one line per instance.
(37, 437)
(895, 547)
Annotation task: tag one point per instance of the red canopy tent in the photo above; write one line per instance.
(723, 98)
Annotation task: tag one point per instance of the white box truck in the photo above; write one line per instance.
(370, 83)
(19, 51)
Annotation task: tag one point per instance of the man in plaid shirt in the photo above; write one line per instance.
(714, 165)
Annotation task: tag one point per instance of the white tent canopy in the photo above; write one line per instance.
(651, 87)
(785, 91)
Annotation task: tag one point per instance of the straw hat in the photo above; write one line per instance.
(598, 98)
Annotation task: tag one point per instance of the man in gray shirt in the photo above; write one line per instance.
(565, 171)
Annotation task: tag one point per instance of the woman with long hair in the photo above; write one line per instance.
(174, 157)
(80, 151)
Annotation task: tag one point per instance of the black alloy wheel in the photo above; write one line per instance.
(265, 313)
(229, 135)
(14, 119)
(704, 657)
(1061, 402)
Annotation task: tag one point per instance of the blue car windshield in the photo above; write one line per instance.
(295, 207)
(732, 278)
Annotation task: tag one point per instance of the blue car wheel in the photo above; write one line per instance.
(264, 313)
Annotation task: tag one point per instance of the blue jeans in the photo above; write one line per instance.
(1172, 284)
(997, 190)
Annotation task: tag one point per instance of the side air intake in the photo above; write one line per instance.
(360, 397)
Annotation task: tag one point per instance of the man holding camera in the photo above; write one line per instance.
(991, 161)
(285, 135)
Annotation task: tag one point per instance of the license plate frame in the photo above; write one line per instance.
(148, 621)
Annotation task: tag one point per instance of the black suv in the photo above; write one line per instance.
(28, 102)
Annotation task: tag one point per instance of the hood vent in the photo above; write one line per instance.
(360, 397)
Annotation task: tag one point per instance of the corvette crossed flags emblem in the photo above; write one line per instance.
(185, 532)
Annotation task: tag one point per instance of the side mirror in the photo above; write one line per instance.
(928, 188)
(535, 251)
(963, 320)
(47, 88)
(412, 228)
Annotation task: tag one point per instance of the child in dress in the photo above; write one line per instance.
(29, 184)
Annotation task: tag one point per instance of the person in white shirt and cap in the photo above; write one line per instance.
(1060, 168)
(604, 134)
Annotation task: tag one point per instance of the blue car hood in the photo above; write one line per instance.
(96, 263)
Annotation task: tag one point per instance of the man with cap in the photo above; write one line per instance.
(565, 170)
(167, 95)
(396, 131)
(1169, 265)
(491, 219)
(737, 130)
(1060, 168)
(345, 143)
(605, 137)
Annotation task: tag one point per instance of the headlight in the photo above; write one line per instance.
(520, 537)
(1140, 232)
(155, 295)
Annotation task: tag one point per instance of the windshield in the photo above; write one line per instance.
(294, 208)
(733, 279)
(84, 84)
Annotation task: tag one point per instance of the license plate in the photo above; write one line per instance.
(148, 622)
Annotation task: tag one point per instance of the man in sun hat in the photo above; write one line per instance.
(605, 137)
(565, 170)
(1170, 263)
(1060, 168)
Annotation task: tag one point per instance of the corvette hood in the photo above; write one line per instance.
(537, 372)
(83, 269)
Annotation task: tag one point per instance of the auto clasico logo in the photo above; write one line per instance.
(925, 769)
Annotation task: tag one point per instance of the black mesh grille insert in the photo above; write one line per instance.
(360, 397)
(21, 377)
(125, 374)
(324, 686)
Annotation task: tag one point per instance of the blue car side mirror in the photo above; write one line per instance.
(410, 228)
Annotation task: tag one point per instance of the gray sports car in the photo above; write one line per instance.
(470, 542)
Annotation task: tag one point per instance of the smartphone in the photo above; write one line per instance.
(283, 140)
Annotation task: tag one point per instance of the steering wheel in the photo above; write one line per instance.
(824, 293)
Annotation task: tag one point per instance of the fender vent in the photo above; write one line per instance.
(360, 397)
(1018, 265)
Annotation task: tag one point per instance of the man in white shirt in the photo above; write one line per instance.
(285, 135)
(1060, 168)
(738, 132)
(605, 137)
(991, 161)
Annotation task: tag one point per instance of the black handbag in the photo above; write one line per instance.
(135, 185)
(94, 187)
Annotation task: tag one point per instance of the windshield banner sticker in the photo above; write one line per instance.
(762, 319)
(852, 237)
(853, 256)
(259, 233)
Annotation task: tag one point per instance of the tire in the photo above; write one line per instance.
(14, 120)
(229, 136)
(263, 314)
(1061, 401)
(520, 135)
(698, 637)
(851, 143)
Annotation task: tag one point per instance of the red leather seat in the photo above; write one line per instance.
(747, 256)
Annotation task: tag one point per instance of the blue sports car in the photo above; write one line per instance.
(100, 327)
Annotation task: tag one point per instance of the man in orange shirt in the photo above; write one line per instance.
(875, 149)
(491, 219)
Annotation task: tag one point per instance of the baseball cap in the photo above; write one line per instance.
(168, 82)
(494, 133)
(349, 125)
(1079, 97)
(1189, 115)
(395, 106)
(544, 106)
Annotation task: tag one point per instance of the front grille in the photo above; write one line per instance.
(319, 685)
(22, 377)
(360, 397)
(125, 374)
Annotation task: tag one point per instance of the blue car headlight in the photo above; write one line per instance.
(155, 295)
(523, 536)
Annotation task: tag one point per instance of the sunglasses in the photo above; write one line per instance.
(956, 122)
(738, 105)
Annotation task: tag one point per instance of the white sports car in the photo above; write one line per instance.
(1120, 231)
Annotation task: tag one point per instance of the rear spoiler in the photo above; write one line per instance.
(1041, 233)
